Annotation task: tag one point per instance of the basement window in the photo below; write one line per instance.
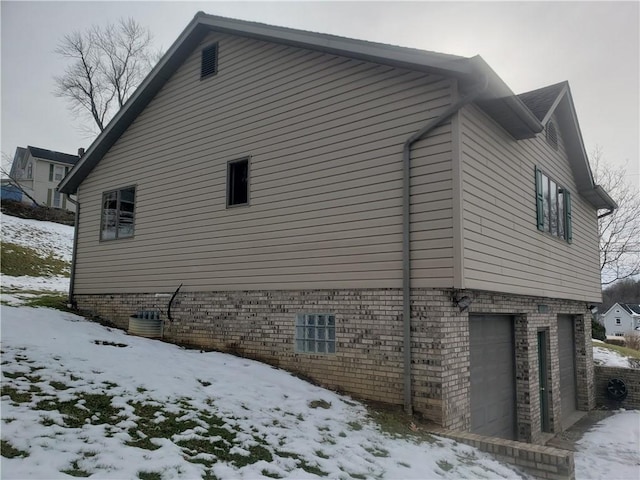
(118, 214)
(315, 333)
(209, 64)
(238, 182)
(553, 207)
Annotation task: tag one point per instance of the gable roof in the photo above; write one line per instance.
(556, 99)
(632, 308)
(53, 156)
(497, 100)
(543, 101)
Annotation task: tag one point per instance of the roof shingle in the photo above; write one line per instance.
(53, 156)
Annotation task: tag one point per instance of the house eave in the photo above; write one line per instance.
(498, 101)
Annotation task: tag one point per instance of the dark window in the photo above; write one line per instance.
(553, 207)
(118, 213)
(209, 61)
(238, 182)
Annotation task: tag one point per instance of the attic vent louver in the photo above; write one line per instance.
(209, 61)
(552, 135)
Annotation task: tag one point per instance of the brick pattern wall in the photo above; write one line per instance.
(631, 378)
(538, 460)
(368, 361)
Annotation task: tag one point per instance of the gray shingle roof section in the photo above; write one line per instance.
(541, 100)
(53, 156)
(633, 308)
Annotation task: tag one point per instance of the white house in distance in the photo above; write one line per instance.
(39, 171)
(622, 318)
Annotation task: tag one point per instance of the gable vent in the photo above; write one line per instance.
(552, 135)
(209, 61)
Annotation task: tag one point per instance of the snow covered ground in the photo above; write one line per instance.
(610, 449)
(607, 357)
(48, 237)
(50, 358)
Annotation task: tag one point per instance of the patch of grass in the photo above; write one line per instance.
(303, 464)
(9, 451)
(269, 474)
(354, 426)
(359, 476)
(378, 452)
(319, 404)
(18, 260)
(13, 376)
(395, 422)
(321, 454)
(444, 465)
(405, 465)
(59, 385)
(203, 383)
(628, 352)
(76, 471)
(149, 427)
(15, 395)
(149, 476)
(58, 302)
(75, 416)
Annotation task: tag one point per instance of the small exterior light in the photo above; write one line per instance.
(463, 302)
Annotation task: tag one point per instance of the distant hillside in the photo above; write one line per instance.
(21, 210)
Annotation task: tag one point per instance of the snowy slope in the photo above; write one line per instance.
(47, 237)
(255, 400)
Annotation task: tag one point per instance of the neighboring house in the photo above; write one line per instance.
(622, 318)
(39, 171)
(277, 175)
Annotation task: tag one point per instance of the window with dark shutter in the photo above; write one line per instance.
(209, 61)
(553, 207)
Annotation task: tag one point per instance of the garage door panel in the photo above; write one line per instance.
(566, 359)
(492, 372)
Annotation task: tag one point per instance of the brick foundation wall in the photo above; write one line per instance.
(631, 378)
(368, 362)
(537, 460)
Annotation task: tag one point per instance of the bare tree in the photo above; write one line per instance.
(620, 231)
(107, 65)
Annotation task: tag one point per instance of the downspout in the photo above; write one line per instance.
(75, 250)
(406, 222)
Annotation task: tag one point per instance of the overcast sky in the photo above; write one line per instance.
(593, 45)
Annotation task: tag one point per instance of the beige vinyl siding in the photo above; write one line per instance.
(503, 249)
(324, 135)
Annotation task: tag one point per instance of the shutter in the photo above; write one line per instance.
(51, 172)
(66, 170)
(49, 195)
(568, 231)
(539, 200)
(64, 202)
